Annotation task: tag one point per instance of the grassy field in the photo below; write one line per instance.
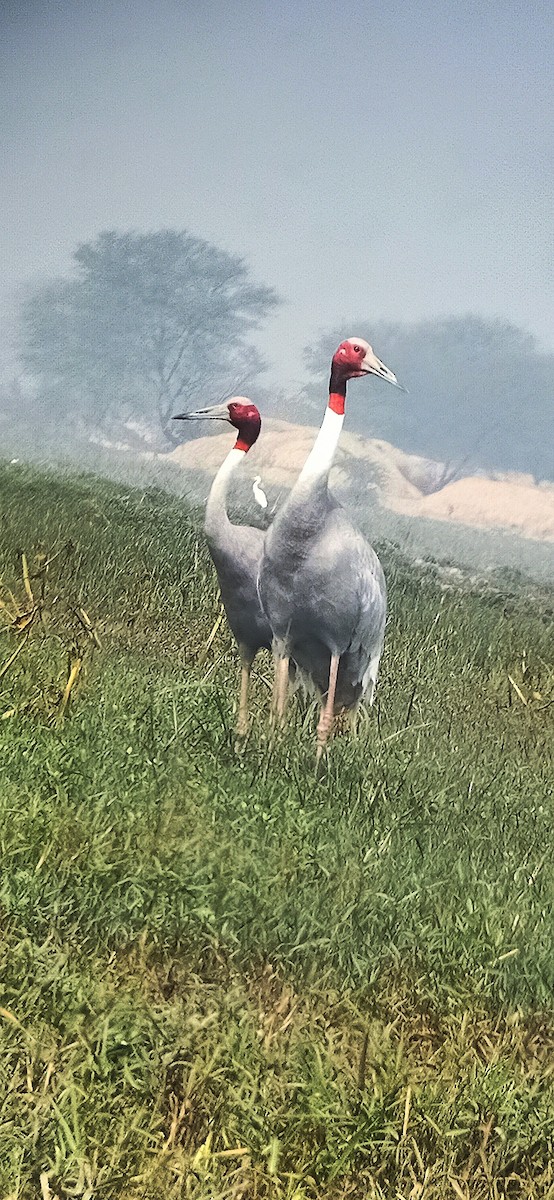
(220, 976)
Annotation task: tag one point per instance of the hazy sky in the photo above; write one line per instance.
(389, 159)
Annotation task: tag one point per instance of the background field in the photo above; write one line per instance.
(221, 976)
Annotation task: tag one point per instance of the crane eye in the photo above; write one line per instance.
(357, 349)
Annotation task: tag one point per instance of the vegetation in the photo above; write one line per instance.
(222, 977)
(480, 392)
(147, 320)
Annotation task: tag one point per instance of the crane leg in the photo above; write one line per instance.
(280, 690)
(242, 717)
(326, 719)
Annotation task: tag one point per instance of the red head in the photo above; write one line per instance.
(355, 357)
(351, 359)
(239, 411)
(245, 417)
(348, 357)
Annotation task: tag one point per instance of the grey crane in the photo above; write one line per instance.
(321, 584)
(236, 550)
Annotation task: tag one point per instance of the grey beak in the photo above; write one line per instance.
(371, 365)
(217, 412)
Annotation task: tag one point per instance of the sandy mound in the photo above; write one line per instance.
(522, 508)
(283, 448)
(405, 483)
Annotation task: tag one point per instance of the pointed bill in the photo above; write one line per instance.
(371, 365)
(217, 412)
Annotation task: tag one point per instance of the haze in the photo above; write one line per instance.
(391, 160)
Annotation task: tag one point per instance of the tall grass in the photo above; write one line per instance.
(223, 976)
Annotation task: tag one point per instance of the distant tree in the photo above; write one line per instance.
(149, 323)
(480, 392)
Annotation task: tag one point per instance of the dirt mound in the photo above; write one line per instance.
(485, 503)
(283, 448)
(405, 483)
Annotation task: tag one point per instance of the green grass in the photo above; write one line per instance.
(222, 977)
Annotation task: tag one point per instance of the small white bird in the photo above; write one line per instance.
(259, 494)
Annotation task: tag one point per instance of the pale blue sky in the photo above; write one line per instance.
(391, 159)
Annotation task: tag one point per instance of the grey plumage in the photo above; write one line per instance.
(324, 591)
(320, 582)
(236, 550)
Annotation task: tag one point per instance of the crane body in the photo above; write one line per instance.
(320, 582)
(313, 615)
(236, 550)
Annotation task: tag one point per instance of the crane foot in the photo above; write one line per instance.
(324, 730)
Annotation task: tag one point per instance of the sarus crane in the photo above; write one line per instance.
(321, 584)
(236, 550)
